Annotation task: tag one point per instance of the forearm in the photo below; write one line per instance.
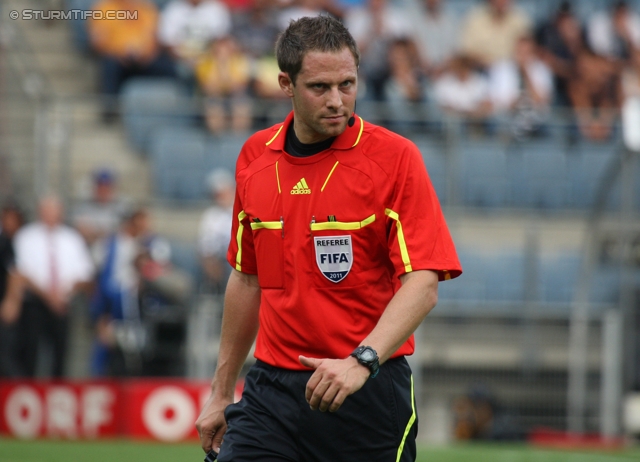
(239, 329)
(404, 313)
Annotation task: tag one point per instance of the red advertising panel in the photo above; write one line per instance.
(59, 409)
(164, 410)
(159, 409)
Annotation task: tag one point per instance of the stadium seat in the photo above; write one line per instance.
(178, 165)
(434, 159)
(484, 173)
(591, 163)
(222, 151)
(538, 174)
(148, 103)
(558, 275)
(504, 277)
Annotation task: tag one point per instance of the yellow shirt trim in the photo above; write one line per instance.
(267, 225)
(404, 253)
(412, 419)
(341, 225)
(330, 173)
(241, 216)
(274, 136)
(360, 133)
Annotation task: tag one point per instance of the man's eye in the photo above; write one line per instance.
(346, 84)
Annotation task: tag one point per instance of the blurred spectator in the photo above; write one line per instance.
(406, 82)
(187, 27)
(114, 310)
(373, 28)
(11, 219)
(490, 31)
(561, 41)
(256, 30)
(265, 79)
(55, 263)
(127, 47)
(297, 9)
(478, 416)
(436, 35)
(522, 88)
(99, 216)
(631, 76)
(595, 95)
(223, 76)
(215, 230)
(462, 90)
(616, 33)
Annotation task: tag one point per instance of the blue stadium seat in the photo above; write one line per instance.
(504, 277)
(484, 173)
(434, 159)
(592, 161)
(538, 175)
(558, 275)
(178, 163)
(222, 151)
(470, 286)
(148, 103)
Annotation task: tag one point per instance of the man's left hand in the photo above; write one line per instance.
(332, 381)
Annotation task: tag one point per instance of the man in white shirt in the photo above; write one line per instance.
(436, 34)
(614, 34)
(215, 230)
(55, 263)
(188, 26)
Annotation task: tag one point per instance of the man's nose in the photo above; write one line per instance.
(334, 98)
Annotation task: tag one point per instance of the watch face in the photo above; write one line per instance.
(367, 355)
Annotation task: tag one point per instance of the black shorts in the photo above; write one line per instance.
(273, 421)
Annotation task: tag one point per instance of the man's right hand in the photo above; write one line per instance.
(211, 424)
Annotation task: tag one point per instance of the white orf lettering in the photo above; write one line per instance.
(169, 413)
(23, 412)
(62, 412)
(96, 409)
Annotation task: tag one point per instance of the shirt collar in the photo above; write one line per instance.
(346, 140)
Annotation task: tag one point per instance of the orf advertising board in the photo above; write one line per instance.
(59, 410)
(164, 410)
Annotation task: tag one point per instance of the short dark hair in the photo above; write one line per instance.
(321, 33)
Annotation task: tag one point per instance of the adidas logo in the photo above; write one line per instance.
(301, 188)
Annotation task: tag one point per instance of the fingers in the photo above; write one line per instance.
(316, 393)
(211, 439)
(311, 363)
(206, 441)
(217, 441)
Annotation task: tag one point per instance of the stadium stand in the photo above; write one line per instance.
(149, 103)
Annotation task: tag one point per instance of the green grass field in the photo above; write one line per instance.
(125, 451)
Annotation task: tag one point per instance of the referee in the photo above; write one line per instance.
(338, 244)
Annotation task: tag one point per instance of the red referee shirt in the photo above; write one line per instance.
(328, 235)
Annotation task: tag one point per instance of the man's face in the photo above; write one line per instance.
(51, 211)
(324, 94)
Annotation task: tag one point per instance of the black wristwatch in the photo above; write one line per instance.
(368, 357)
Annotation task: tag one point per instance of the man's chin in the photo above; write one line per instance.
(335, 129)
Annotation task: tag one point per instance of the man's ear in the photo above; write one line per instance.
(285, 84)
